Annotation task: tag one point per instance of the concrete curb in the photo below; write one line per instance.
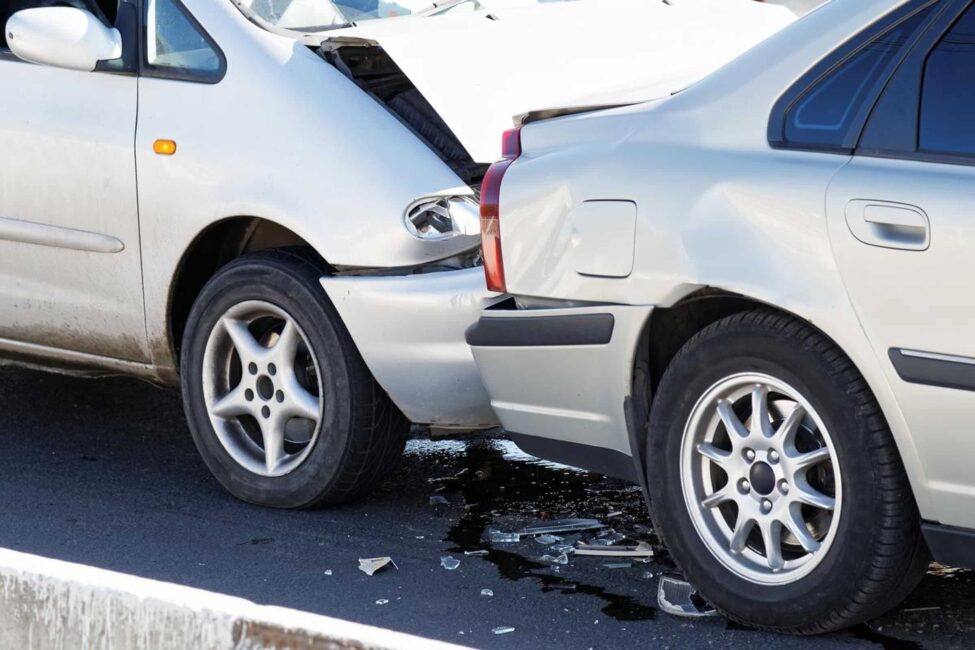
(48, 604)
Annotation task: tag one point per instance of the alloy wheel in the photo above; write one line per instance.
(261, 385)
(760, 478)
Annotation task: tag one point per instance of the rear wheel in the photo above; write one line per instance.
(280, 403)
(775, 481)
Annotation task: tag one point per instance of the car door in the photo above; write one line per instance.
(70, 267)
(902, 223)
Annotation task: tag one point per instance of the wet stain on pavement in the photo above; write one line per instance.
(496, 488)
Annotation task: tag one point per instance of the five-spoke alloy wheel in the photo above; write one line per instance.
(774, 479)
(281, 406)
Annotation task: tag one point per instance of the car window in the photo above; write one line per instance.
(831, 112)
(176, 45)
(947, 122)
(104, 10)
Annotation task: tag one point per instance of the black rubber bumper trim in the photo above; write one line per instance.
(950, 545)
(541, 331)
(945, 373)
(588, 457)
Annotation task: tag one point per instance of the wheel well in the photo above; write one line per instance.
(215, 247)
(670, 328)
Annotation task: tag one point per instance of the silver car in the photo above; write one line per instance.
(755, 298)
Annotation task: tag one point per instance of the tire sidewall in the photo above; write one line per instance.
(715, 356)
(265, 280)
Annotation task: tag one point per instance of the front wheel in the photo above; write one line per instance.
(281, 405)
(775, 481)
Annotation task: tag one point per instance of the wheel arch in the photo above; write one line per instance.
(215, 246)
(669, 328)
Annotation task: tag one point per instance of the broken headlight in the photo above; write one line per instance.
(443, 217)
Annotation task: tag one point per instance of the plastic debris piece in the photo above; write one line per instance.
(618, 565)
(328, 572)
(449, 562)
(487, 592)
(562, 558)
(642, 549)
(371, 565)
(679, 598)
(500, 537)
(502, 630)
(478, 552)
(561, 526)
(613, 515)
(382, 601)
(548, 540)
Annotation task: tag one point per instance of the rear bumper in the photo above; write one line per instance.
(562, 376)
(410, 332)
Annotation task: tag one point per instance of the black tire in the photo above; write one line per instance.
(878, 554)
(362, 434)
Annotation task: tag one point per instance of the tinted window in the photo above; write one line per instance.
(831, 113)
(176, 44)
(948, 93)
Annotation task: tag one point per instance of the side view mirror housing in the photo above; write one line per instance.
(63, 37)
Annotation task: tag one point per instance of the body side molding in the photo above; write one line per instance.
(30, 232)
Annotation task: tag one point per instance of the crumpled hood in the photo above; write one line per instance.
(478, 69)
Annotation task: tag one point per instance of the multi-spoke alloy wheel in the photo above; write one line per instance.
(280, 403)
(774, 480)
(759, 478)
(261, 385)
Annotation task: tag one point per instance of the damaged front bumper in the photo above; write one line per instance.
(410, 332)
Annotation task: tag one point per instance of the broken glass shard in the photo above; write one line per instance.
(502, 537)
(560, 526)
(449, 562)
(679, 598)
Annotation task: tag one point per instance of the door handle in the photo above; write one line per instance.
(889, 225)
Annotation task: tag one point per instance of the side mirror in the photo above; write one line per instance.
(63, 37)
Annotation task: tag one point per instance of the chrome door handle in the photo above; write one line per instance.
(889, 225)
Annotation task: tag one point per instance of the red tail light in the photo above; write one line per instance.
(490, 213)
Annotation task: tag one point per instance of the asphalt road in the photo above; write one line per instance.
(103, 472)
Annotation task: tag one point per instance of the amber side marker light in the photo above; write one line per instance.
(491, 214)
(164, 147)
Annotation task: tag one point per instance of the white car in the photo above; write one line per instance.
(755, 298)
(278, 208)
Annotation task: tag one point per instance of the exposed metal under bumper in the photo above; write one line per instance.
(410, 331)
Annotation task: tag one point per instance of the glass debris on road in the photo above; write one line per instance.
(555, 559)
(477, 552)
(498, 537)
(449, 562)
(371, 565)
(641, 549)
(502, 630)
(679, 598)
(560, 526)
(382, 601)
(487, 592)
(548, 540)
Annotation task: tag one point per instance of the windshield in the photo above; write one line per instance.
(321, 15)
